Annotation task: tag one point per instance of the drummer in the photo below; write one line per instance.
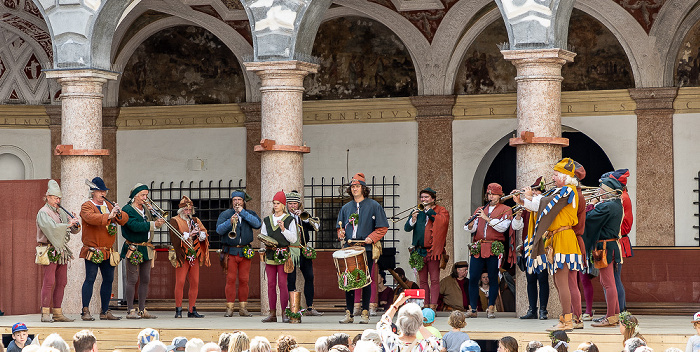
(361, 220)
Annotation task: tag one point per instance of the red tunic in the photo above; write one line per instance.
(436, 233)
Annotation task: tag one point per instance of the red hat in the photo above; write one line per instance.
(579, 171)
(359, 178)
(494, 188)
(621, 175)
(280, 197)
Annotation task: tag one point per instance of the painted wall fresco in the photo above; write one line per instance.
(644, 11)
(600, 63)
(360, 58)
(687, 72)
(182, 65)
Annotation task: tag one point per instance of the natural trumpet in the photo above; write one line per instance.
(519, 192)
(304, 216)
(419, 207)
(234, 224)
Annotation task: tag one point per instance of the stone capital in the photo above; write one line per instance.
(252, 112)
(82, 75)
(654, 98)
(434, 106)
(291, 67)
(535, 56)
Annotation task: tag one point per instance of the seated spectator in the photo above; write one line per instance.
(321, 344)
(20, 338)
(239, 342)
(632, 344)
(560, 340)
(402, 275)
(286, 343)
(508, 344)
(629, 327)
(588, 347)
(194, 345)
(428, 320)
(147, 335)
(694, 341)
(469, 346)
(260, 344)
(366, 346)
(454, 289)
(57, 342)
(300, 349)
(644, 349)
(372, 335)
(339, 348)
(225, 340)
(409, 321)
(385, 294)
(339, 338)
(154, 346)
(210, 347)
(84, 341)
(454, 338)
(178, 345)
(546, 349)
(533, 346)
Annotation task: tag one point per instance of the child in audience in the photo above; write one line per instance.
(452, 340)
(428, 320)
(20, 338)
(694, 341)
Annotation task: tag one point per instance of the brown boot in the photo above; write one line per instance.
(58, 316)
(364, 319)
(312, 312)
(243, 311)
(133, 314)
(229, 309)
(470, 313)
(607, 322)
(146, 315)
(86, 314)
(491, 312)
(358, 309)
(272, 318)
(578, 323)
(108, 316)
(46, 315)
(565, 323)
(348, 318)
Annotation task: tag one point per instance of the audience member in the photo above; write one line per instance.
(239, 342)
(339, 338)
(321, 344)
(385, 294)
(339, 348)
(225, 340)
(454, 289)
(588, 347)
(428, 320)
(409, 321)
(84, 341)
(508, 344)
(20, 338)
(56, 341)
(366, 346)
(260, 344)
(286, 343)
(533, 346)
(154, 346)
(694, 341)
(147, 335)
(560, 340)
(372, 335)
(632, 344)
(469, 346)
(629, 327)
(454, 338)
(194, 345)
(178, 344)
(300, 349)
(210, 347)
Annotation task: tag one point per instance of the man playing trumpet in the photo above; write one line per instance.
(189, 256)
(429, 229)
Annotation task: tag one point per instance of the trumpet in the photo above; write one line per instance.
(234, 224)
(304, 216)
(162, 214)
(519, 192)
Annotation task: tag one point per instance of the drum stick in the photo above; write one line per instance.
(342, 242)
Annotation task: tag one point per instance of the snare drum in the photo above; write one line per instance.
(349, 259)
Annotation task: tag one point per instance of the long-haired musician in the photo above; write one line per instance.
(234, 240)
(189, 256)
(361, 219)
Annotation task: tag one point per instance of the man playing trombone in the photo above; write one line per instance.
(429, 229)
(191, 245)
(138, 250)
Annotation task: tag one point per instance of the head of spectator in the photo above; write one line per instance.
(239, 342)
(560, 340)
(178, 345)
(546, 349)
(366, 346)
(210, 347)
(428, 317)
(644, 349)
(357, 337)
(84, 341)
(632, 344)
(321, 344)
(339, 338)
(147, 335)
(588, 347)
(57, 342)
(35, 348)
(533, 345)
(401, 273)
(629, 327)
(484, 281)
(469, 346)
(225, 340)
(260, 344)
(371, 335)
(155, 346)
(300, 349)
(194, 345)
(286, 343)
(460, 270)
(457, 320)
(339, 348)
(20, 335)
(507, 344)
(696, 322)
(410, 319)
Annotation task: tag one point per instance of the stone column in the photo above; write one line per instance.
(281, 132)
(54, 112)
(81, 128)
(434, 117)
(539, 127)
(655, 202)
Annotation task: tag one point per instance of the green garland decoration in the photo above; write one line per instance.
(475, 248)
(625, 320)
(288, 312)
(497, 248)
(248, 252)
(112, 229)
(555, 340)
(136, 258)
(354, 219)
(416, 261)
(97, 256)
(280, 256)
(309, 252)
(353, 280)
(54, 255)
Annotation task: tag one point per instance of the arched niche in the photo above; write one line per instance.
(687, 66)
(15, 164)
(360, 58)
(182, 65)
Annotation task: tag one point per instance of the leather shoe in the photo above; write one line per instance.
(178, 312)
(312, 312)
(530, 314)
(543, 314)
(194, 314)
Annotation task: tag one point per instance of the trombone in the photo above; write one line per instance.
(419, 207)
(162, 214)
(614, 192)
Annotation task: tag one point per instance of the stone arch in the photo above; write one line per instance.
(13, 157)
(148, 77)
(673, 22)
(672, 59)
(360, 65)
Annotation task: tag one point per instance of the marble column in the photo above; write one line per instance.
(81, 128)
(54, 112)
(435, 150)
(539, 129)
(281, 132)
(655, 219)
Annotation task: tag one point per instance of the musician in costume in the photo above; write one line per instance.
(188, 256)
(138, 250)
(490, 226)
(361, 219)
(429, 229)
(602, 232)
(576, 309)
(554, 245)
(304, 226)
(53, 230)
(236, 249)
(626, 227)
(280, 227)
(100, 220)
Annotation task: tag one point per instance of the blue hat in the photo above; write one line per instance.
(100, 185)
(612, 183)
(241, 194)
(469, 346)
(19, 327)
(428, 315)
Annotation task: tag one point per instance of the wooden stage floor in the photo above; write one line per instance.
(661, 332)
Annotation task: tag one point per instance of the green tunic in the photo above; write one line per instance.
(275, 232)
(137, 230)
(603, 223)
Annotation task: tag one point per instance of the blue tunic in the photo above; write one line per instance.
(371, 216)
(248, 220)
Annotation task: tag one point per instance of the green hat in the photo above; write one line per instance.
(429, 191)
(293, 196)
(611, 183)
(136, 189)
(54, 189)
